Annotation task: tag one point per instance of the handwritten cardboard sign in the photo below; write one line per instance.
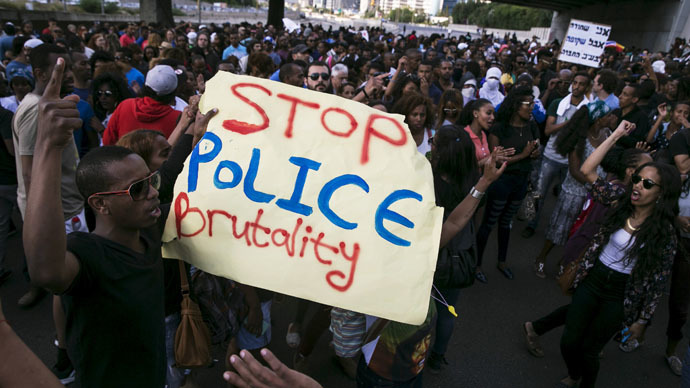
(310, 195)
(584, 43)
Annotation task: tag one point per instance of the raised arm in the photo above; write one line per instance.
(45, 245)
(589, 167)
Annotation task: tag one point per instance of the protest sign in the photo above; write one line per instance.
(311, 195)
(584, 43)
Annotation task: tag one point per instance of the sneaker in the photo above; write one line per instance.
(675, 364)
(436, 362)
(481, 277)
(528, 232)
(65, 377)
(539, 270)
(33, 296)
(629, 346)
(63, 368)
(4, 275)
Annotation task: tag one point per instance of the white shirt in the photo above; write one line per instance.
(179, 104)
(614, 253)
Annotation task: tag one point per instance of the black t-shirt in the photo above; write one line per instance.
(115, 312)
(516, 137)
(641, 121)
(680, 143)
(8, 167)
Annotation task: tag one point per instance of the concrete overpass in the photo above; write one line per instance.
(652, 24)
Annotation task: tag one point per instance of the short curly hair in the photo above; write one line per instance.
(409, 102)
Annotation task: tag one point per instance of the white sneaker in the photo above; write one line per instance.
(69, 379)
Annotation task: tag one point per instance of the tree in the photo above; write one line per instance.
(157, 11)
(276, 12)
(401, 15)
(494, 15)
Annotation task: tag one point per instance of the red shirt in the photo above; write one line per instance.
(140, 113)
(126, 40)
(481, 146)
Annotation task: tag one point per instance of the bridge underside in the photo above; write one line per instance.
(652, 24)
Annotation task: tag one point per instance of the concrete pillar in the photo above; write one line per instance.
(680, 26)
(158, 11)
(559, 26)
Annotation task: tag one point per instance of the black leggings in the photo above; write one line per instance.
(594, 316)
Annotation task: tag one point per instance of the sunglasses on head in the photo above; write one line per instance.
(450, 110)
(107, 93)
(315, 76)
(646, 183)
(138, 190)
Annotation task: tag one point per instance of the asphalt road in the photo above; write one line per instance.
(487, 348)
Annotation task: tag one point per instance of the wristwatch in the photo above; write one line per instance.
(476, 193)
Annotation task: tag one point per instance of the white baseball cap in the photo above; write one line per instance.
(33, 43)
(162, 79)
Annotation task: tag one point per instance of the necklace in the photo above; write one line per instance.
(629, 225)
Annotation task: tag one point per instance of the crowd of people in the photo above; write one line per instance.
(98, 119)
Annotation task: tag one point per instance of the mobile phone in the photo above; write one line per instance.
(625, 335)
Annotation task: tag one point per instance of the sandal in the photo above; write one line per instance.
(539, 270)
(293, 338)
(533, 345)
(675, 364)
(630, 345)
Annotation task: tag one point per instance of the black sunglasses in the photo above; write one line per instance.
(315, 76)
(107, 93)
(646, 183)
(138, 190)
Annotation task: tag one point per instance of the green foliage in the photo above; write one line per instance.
(370, 14)
(401, 15)
(178, 12)
(494, 15)
(420, 18)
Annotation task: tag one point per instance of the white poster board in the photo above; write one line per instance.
(584, 43)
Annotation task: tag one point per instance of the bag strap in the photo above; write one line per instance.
(183, 278)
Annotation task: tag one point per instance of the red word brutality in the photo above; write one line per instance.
(260, 236)
(370, 128)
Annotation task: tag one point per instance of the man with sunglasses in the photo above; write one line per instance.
(111, 281)
(318, 77)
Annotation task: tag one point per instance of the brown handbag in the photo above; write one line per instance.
(192, 339)
(567, 277)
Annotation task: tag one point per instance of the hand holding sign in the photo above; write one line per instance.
(57, 117)
(309, 195)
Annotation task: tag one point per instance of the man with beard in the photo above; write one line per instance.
(444, 81)
(25, 124)
(558, 87)
(318, 77)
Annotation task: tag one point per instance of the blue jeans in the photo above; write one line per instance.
(445, 320)
(549, 171)
(366, 378)
(174, 377)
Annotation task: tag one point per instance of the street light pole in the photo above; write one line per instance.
(102, 7)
